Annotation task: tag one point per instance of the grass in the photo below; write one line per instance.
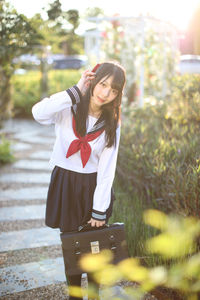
(129, 210)
(6, 155)
(26, 88)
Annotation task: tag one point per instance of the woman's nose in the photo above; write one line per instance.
(106, 92)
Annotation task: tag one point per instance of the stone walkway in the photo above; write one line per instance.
(26, 181)
(31, 263)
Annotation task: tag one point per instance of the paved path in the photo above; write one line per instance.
(31, 263)
(32, 275)
(27, 180)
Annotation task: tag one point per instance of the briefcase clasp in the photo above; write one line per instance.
(77, 248)
(113, 246)
(95, 247)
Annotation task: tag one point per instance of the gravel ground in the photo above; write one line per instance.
(55, 291)
(22, 256)
(51, 292)
(18, 185)
(21, 225)
(124, 284)
(21, 155)
(9, 169)
(10, 203)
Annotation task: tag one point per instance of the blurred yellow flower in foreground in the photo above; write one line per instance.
(178, 236)
(96, 262)
(176, 241)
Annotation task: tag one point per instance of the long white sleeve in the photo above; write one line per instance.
(46, 110)
(105, 177)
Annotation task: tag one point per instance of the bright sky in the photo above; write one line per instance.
(178, 12)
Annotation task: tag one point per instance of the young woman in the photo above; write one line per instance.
(87, 126)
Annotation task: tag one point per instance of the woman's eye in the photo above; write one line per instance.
(115, 92)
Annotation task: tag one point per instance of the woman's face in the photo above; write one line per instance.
(103, 93)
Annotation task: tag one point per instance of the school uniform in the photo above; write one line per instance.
(81, 180)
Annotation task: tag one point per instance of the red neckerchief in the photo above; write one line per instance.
(81, 143)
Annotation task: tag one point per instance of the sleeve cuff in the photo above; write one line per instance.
(98, 215)
(75, 95)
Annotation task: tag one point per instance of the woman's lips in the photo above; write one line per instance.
(101, 100)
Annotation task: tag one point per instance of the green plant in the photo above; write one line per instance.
(60, 80)
(158, 158)
(18, 36)
(6, 155)
(26, 91)
(128, 208)
(26, 88)
(176, 241)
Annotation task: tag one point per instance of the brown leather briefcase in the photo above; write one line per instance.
(93, 240)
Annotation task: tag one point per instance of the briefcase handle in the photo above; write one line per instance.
(88, 227)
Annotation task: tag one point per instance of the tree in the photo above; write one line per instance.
(73, 18)
(63, 25)
(17, 36)
(55, 10)
(94, 12)
(73, 43)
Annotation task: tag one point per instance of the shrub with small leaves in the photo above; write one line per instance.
(6, 155)
(176, 241)
(26, 88)
(159, 158)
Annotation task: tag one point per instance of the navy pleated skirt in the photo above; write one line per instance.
(70, 199)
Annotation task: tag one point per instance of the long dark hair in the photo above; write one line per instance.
(110, 111)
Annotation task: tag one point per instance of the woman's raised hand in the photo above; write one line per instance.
(85, 80)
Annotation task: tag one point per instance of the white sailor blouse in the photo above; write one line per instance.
(59, 109)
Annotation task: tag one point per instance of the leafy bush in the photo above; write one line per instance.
(6, 155)
(159, 152)
(60, 80)
(26, 88)
(129, 209)
(25, 92)
(176, 241)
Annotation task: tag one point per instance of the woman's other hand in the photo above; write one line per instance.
(85, 81)
(96, 223)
